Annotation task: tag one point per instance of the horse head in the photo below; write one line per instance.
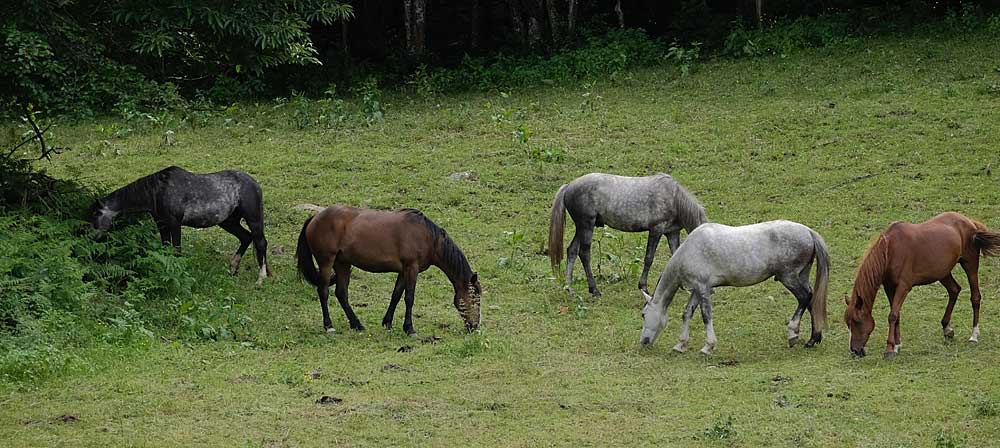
(654, 320)
(467, 302)
(860, 323)
(101, 215)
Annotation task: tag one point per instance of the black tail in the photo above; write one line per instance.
(307, 269)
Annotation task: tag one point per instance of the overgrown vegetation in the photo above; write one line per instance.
(63, 292)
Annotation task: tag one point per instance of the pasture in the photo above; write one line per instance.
(844, 141)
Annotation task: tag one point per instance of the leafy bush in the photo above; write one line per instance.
(61, 290)
(601, 56)
(825, 30)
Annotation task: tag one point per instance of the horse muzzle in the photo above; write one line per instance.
(644, 341)
(857, 354)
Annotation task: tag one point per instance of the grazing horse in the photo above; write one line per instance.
(718, 255)
(905, 255)
(404, 241)
(176, 197)
(656, 203)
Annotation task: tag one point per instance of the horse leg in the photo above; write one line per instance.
(571, 252)
(232, 225)
(804, 296)
(685, 334)
(164, 229)
(970, 263)
(706, 316)
(953, 289)
(175, 236)
(410, 279)
(343, 271)
(325, 271)
(260, 248)
(651, 243)
(586, 237)
(397, 292)
(674, 241)
(895, 305)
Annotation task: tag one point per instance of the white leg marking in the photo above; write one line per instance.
(330, 330)
(263, 274)
(896, 348)
(710, 340)
(975, 334)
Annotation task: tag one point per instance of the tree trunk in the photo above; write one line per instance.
(760, 17)
(555, 23)
(474, 26)
(571, 19)
(516, 20)
(419, 27)
(621, 15)
(413, 21)
(536, 24)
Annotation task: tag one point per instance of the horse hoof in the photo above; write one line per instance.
(973, 341)
(680, 348)
(949, 333)
(330, 330)
(889, 356)
(359, 327)
(595, 292)
(810, 344)
(571, 291)
(792, 341)
(414, 335)
(706, 350)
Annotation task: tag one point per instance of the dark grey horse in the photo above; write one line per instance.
(175, 197)
(656, 204)
(718, 255)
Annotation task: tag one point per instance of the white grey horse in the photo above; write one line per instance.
(656, 203)
(719, 255)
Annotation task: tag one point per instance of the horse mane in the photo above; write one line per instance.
(450, 256)
(141, 191)
(871, 270)
(690, 212)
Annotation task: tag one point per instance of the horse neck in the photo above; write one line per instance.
(453, 271)
(136, 196)
(870, 274)
(689, 212)
(670, 282)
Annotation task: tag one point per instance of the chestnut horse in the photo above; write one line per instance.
(404, 241)
(905, 255)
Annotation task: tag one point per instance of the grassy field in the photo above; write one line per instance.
(844, 141)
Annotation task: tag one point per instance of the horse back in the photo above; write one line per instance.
(375, 241)
(926, 252)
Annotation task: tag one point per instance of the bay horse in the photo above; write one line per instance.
(905, 255)
(176, 197)
(719, 255)
(656, 204)
(404, 241)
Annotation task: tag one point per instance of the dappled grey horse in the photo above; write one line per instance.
(656, 203)
(720, 255)
(176, 197)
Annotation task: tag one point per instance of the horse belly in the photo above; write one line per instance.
(205, 215)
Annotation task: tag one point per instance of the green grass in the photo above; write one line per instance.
(844, 141)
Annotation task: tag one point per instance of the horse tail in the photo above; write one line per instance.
(986, 240)
(818, 305)
(557, 226)
(307, 269)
